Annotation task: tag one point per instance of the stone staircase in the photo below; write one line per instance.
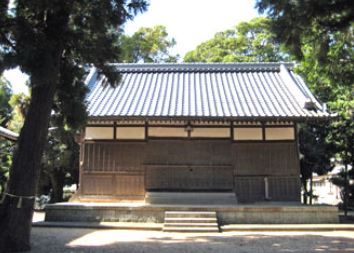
(190, 221)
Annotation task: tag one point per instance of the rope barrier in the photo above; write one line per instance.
(20, 198)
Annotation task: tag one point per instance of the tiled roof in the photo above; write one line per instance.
(227, 91)
(8, 134)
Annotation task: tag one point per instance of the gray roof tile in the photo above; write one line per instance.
(227, 91)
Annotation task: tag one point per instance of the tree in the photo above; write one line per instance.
(321, 35)
(6, 147)
(248, 42)
(19, 104)
(44, 38)
(294, 20)
(316, 154)
(148, 45)
(5, 108)
(60, 162)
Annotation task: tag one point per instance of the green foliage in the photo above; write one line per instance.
(148, 45)
(19, 104)
(5, 108)
(60, 162)
(248, 42)
(53, 42)
(320, 35)
(6, 147)
(331, 77)
(6, 150)
(296, 19)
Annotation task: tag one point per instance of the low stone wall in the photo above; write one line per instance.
(278, 215)
(237, 214)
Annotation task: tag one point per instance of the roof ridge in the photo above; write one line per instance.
(202, 67)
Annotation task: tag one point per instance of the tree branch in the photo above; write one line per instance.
(8, 42)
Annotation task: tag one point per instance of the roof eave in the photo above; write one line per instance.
(191, 118)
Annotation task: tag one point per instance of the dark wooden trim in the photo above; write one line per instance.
(153, 138)
(115, 130)
(130, 140)
(189, 132)
(118, 172)
(168, 126)
(146, 125)
(232, 131)
(247, 126)
(280, 126)
(210, 118)
(126, 125)
(168, 138)
(209, 138)
(263, 141)
(210, 126)
(193, 126)
(296, 132)
(187, 166)
(114, 141)
(263, 132)
(100, 125)
(258, 175)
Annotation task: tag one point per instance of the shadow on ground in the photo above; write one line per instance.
(90, 240)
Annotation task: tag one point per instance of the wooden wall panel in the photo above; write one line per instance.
(130, 185)
(265, 159)
(110, 157)
(189, 178)
(191, 165)
(249, 189)
(188, 152)
(284, 188)
(97, 184)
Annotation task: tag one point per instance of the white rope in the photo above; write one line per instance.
(20, 198)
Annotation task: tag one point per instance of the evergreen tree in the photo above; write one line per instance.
(6, 146)
(43, 38)
(148, 45)
(247, 42)
(321, 35)
(5, 108)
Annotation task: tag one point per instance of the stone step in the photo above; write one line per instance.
(186, 214)
(191, 198)
(191, 229)
(210, 224)
(191, 220)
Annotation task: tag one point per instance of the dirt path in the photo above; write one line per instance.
(90, 240)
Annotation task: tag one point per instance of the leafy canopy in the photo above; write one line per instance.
(5, 108)
(247, 42)
(320, 34)
(148, 45)
(293, 20)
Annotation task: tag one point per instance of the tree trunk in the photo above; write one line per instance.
(16, 213)
(57, 178)
(311, 189)
(304, 185)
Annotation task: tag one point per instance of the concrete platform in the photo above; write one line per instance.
(101, 225)
(266, 213)
(224, 228)
(191, 198)
(286, 227)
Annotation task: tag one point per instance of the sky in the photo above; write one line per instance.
(189, 22)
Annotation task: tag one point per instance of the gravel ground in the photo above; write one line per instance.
(90, 240)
